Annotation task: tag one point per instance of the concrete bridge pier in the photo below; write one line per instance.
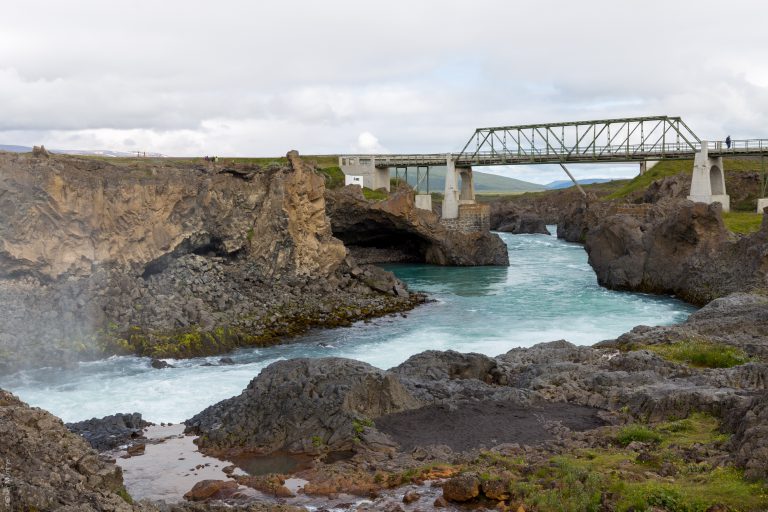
(708, 180)
(451, 193)
(467, 186)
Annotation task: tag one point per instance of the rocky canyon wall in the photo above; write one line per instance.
(169, 258)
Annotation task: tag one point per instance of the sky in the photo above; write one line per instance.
(248, 78)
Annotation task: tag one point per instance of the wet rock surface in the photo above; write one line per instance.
(394, 230)
(502, 422)
(111, 431)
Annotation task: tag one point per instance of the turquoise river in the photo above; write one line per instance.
(548, 292)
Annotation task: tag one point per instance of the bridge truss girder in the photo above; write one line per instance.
(618, 140)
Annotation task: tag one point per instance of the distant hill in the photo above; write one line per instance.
(484, 182)
(15, 149)
(97, 152)
(568, 183)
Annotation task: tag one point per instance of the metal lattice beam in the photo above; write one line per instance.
(615, 140)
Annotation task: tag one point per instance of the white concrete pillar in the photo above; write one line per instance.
(708, 180)
(647, 165)
(451, 193)
(424, 202)
(467, 185)
(381, 178)
(761, 204)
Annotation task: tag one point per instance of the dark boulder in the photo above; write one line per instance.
(462, 488)
(110, 432)
(303, 406)
(525, 223)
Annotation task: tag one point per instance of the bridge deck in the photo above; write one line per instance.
(598, 154)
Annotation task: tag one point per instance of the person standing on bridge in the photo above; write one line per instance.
(728, 142)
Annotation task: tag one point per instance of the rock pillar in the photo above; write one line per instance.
(451, 194)
(708, 180)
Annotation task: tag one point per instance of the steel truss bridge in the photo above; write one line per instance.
(636, 139)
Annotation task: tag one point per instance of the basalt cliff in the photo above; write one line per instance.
(170, 259)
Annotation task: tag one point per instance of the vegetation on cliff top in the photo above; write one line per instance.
(671, 168)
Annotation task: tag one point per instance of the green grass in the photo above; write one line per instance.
(701, 354)
(743, 222)
(672, 167)
(578, 481)
(375, 195)
(639, 433)
(660, 170)
(334, 177)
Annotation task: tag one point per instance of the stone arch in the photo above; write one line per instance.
(716, 181)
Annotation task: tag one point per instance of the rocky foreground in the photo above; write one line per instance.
(513, 415)
(631, 422)
(626, 423)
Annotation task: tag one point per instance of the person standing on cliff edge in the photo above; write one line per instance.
(728, 142)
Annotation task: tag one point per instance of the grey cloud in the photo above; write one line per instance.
(245, 77)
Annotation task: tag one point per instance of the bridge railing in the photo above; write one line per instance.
(739, 146)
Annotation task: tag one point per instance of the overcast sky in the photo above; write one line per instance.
(252, 78)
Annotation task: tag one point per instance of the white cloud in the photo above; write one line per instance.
(251, 78)
(367, 143)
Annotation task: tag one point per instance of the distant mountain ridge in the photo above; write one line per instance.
(568, 183)
(484, 182)
(99, 152)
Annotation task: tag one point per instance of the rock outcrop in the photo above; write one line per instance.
(677, 247)
(169, 259)
(302, 406)
(43, 466)
(739, 320)
(395, 230)
(519, 222)
(109, 432)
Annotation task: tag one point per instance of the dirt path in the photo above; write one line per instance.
(476, 424)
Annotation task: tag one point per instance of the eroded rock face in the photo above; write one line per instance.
(169, 259)
(679, 247)
(302, 406)
(49, 468)
(395, 230)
